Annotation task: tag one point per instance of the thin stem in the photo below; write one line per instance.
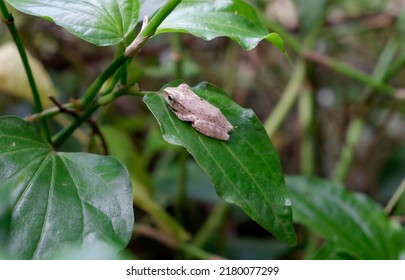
(5, 14)
(112, 82)
(356, 125)
(94, 88)
(178, 55)
(394, 199)
(287, 100)
(9, 21)
(331, 63)
(197, 252)
(124, 74)
(47, 113)
(380, 133)
(396, 66)
(181, 185)
(149, 29)
(210, 227)
(229, 75)
(62, 135)
(170, 242)
(102, 101)
(353, 134)
(159, 17)
(349, 71)
(306, 117)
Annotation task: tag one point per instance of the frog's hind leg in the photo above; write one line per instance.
(209, 130)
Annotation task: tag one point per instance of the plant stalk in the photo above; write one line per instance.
(307, 125)
(287, 100)
(329, 62)
(8, 19)
(210, 227)
(181, 185)
(357, 124)
(62, 135)
(395, 198)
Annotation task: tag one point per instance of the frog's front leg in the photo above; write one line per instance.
(207, 128)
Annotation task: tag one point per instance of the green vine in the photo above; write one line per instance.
(8, 19)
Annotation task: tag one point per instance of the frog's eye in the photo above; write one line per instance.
(169, 97)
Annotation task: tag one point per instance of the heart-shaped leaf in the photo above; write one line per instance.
(350, 222)
(102, 23)
(61, 199)
(210, 19)
(245, 170)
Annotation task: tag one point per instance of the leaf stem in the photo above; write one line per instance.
(382, 73)
(287, 100)
(149, 28)
(47, 113)
(394, 199)
(102, 101)
(181, 185)
(290, 94)
(178, 55)
(353, 134)
(159, 17)
(349, 72)
(307, 126)
(210, 227)
(329, 62)
(229, 75)
(62, 135)
(94, 88)
(167, 240)
(8, 19)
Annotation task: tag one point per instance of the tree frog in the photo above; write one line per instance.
(204, 117)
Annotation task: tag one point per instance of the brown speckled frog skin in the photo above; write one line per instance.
(204, 117)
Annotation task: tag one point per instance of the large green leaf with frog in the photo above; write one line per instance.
(245, 170)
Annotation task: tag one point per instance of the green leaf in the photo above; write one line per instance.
(210, 19)
(102, 23)
(61, 199)
(351, 222)
(245, 170)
